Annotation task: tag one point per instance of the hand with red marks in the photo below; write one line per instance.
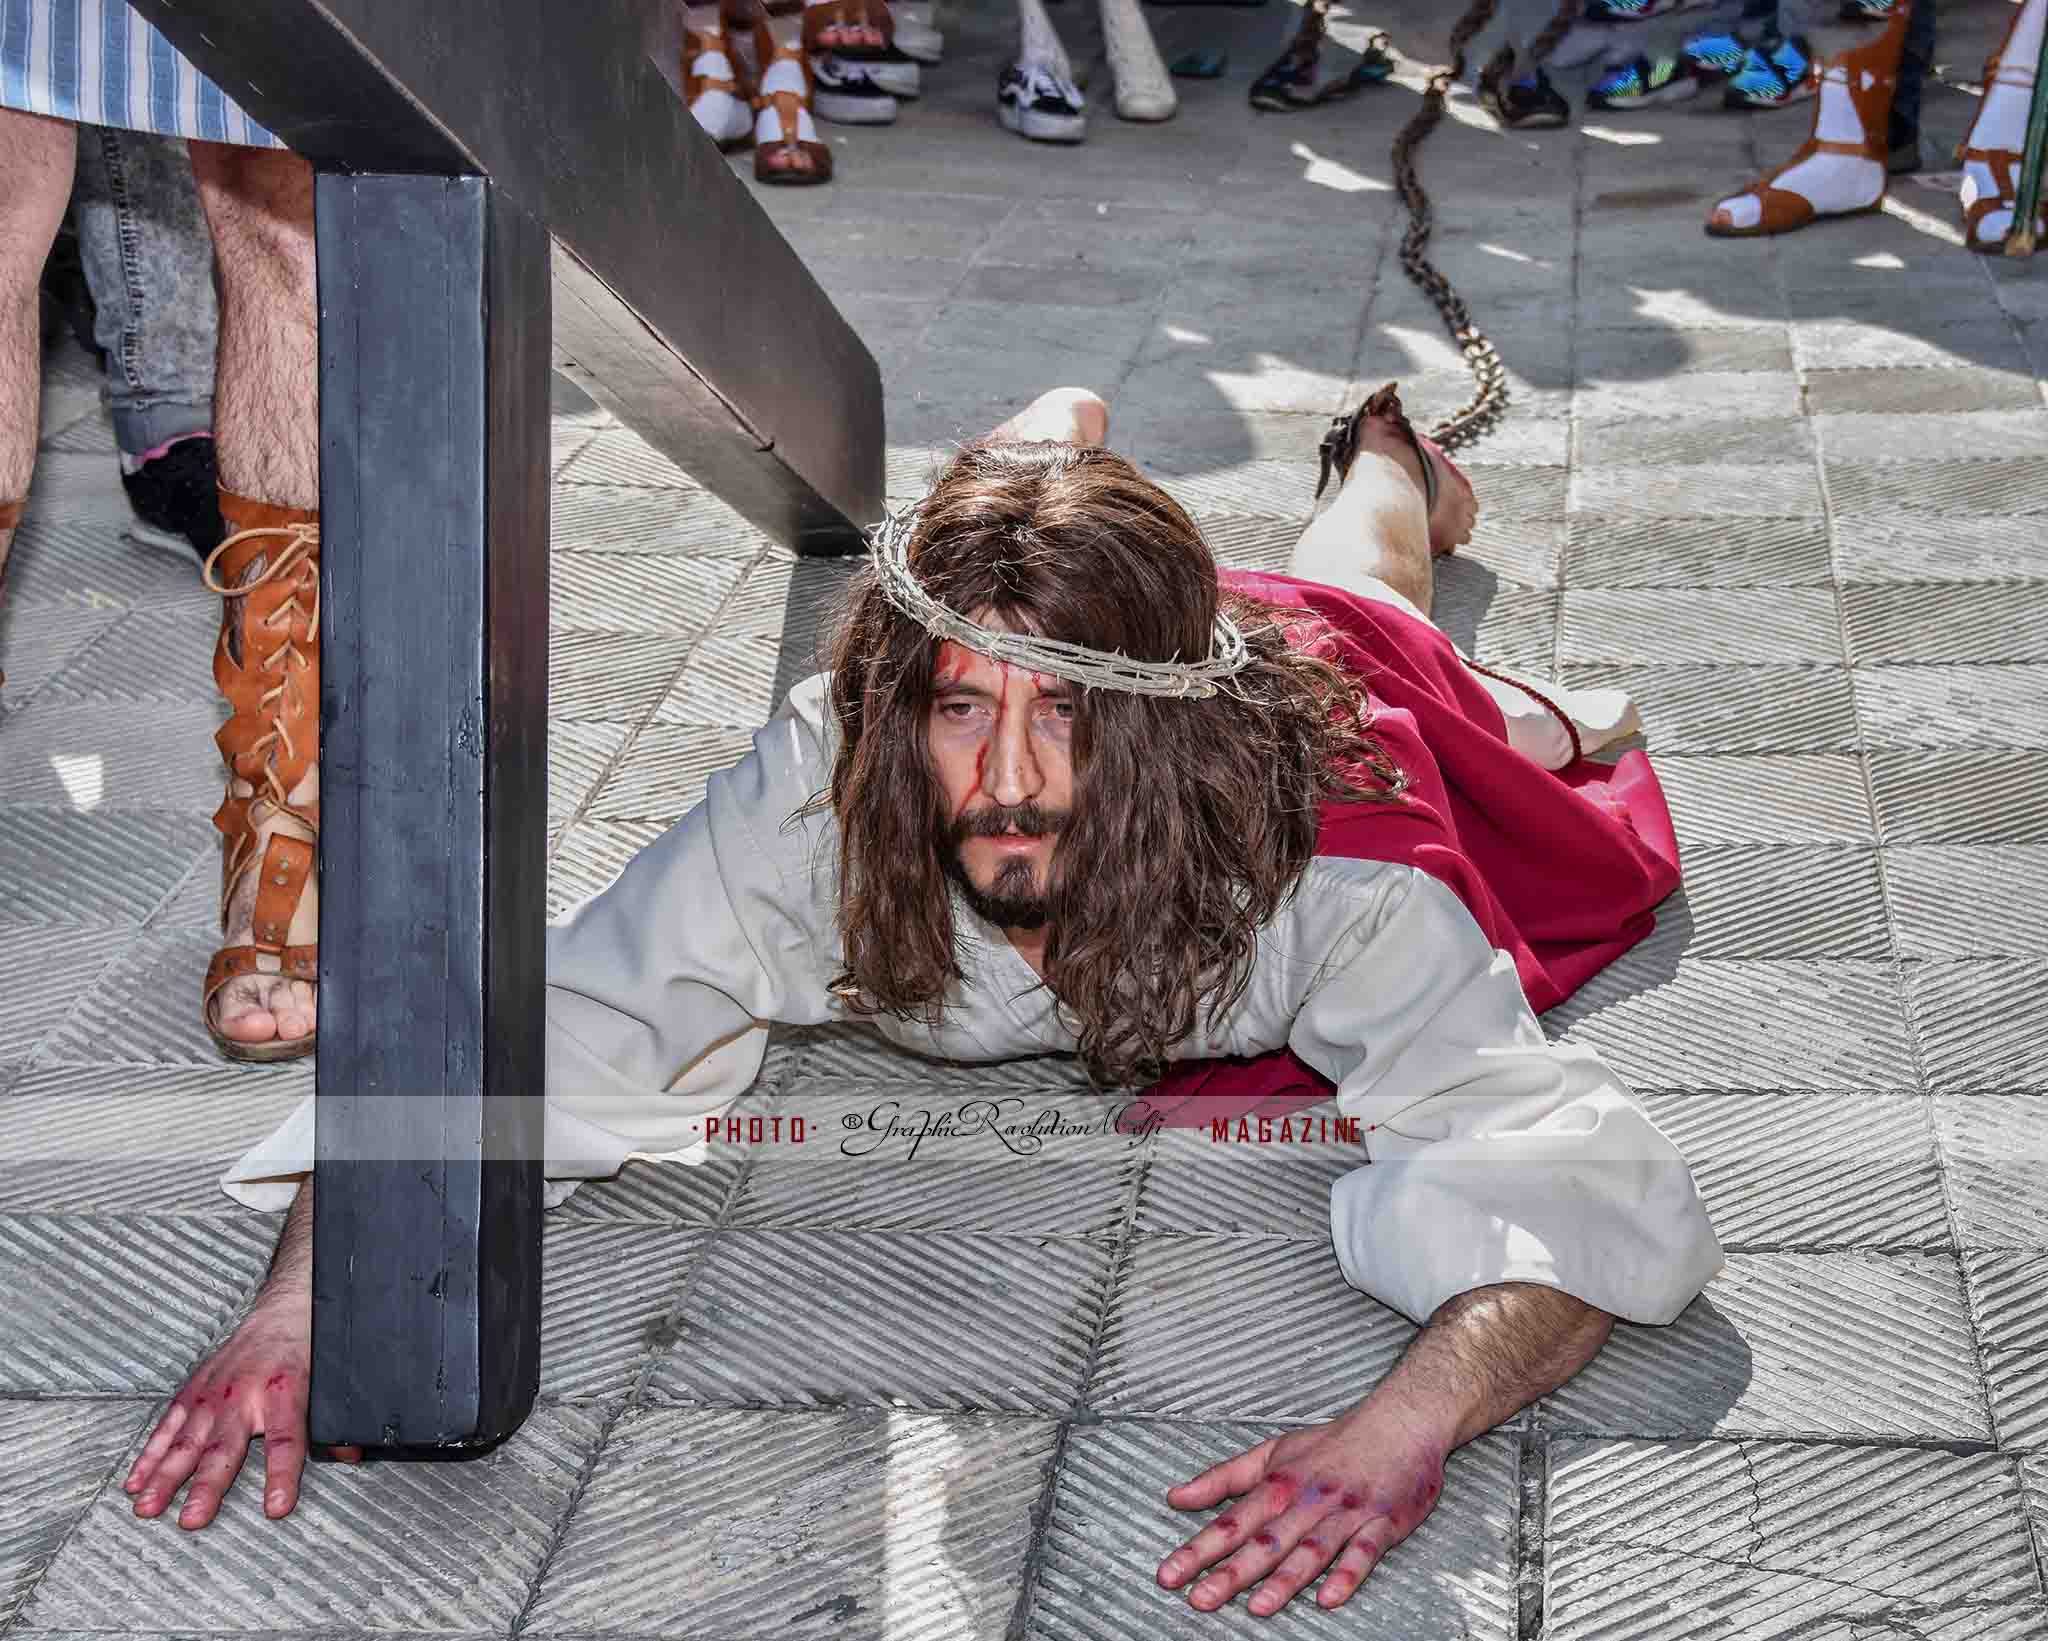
(1339, 1496)
(254, 1385)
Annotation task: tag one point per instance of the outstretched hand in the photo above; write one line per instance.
(1345, 1493)
(254, 1385)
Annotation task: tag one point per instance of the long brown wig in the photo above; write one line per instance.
(1192, 820)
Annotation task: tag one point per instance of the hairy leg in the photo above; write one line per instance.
(1377, 528)
(36, 160)
(259, 206)
(1067, 415)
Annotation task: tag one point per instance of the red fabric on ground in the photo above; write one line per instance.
(1560, 870)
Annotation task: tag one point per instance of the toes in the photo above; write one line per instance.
(242, 1011)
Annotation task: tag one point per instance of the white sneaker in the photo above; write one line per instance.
(846, 93)
(915, 34)
(1034, 102)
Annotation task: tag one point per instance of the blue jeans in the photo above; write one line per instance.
(149, 263)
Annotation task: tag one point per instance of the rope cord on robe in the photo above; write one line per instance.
(1490, 400)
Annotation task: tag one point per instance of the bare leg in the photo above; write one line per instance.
(36, 160)
(259, 205)
(1066, 415)
(1376, 531)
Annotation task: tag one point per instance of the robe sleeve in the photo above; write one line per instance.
(659, 988)
(1496, 1155)
(656, 985)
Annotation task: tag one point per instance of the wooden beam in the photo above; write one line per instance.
(434, 302)
(741, 370)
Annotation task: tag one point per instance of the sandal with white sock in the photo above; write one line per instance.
(1840, 170)
(715, 88)
(1989, 155)
(787, 149)
(892, 69)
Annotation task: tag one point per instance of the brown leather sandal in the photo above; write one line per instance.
(2004, 166)
(267, 664)
(782, 116)
(729, 124)
(849, 14)
(1868, 72)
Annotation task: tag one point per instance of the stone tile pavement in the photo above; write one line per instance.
(1790, 493)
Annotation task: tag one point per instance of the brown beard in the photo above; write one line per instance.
(1015, 900)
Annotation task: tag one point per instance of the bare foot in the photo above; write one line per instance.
(266, 1007)
(1065, 415)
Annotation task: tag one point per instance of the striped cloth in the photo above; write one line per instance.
(96, 62)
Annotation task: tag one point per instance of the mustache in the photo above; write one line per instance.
(1026, 819)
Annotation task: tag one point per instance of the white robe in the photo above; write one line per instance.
(1491, 1154)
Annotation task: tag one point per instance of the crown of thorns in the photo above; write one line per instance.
(1076, 663)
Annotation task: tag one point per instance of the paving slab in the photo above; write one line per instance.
(453, 1547)
(734, 1524)
(1780, 1539)
(1111, 1528)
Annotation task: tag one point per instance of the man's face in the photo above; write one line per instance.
(1000, 742)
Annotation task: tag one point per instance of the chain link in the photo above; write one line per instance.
(1489, 374)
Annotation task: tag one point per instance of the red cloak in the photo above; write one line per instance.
(1560, 870)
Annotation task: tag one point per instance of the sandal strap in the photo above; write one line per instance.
(1339, 448)
(286, 870)
(10, 513)
(233, 962)
(267, 660)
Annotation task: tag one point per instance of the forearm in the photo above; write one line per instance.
(1487, 1354)
(291, 1265)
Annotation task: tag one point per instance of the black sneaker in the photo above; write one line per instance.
(1527, 105)
(176, 497)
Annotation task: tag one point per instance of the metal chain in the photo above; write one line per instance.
(1490, 400)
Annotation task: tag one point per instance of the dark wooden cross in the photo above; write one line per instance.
(501, 183)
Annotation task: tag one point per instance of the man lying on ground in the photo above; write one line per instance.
(1068, 789)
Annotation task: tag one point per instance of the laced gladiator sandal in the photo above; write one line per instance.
(714, 86)
(782, 116)
(267, 664)
(2011, 84)
(1855, 88)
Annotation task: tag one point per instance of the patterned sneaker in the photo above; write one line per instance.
(1717, 56)
(847, 93)
(1772, 79)
(1642, 84)
(1636, 11)
(1865, 11)
(1299, 78)
(1034, 102)
(1527, 105)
